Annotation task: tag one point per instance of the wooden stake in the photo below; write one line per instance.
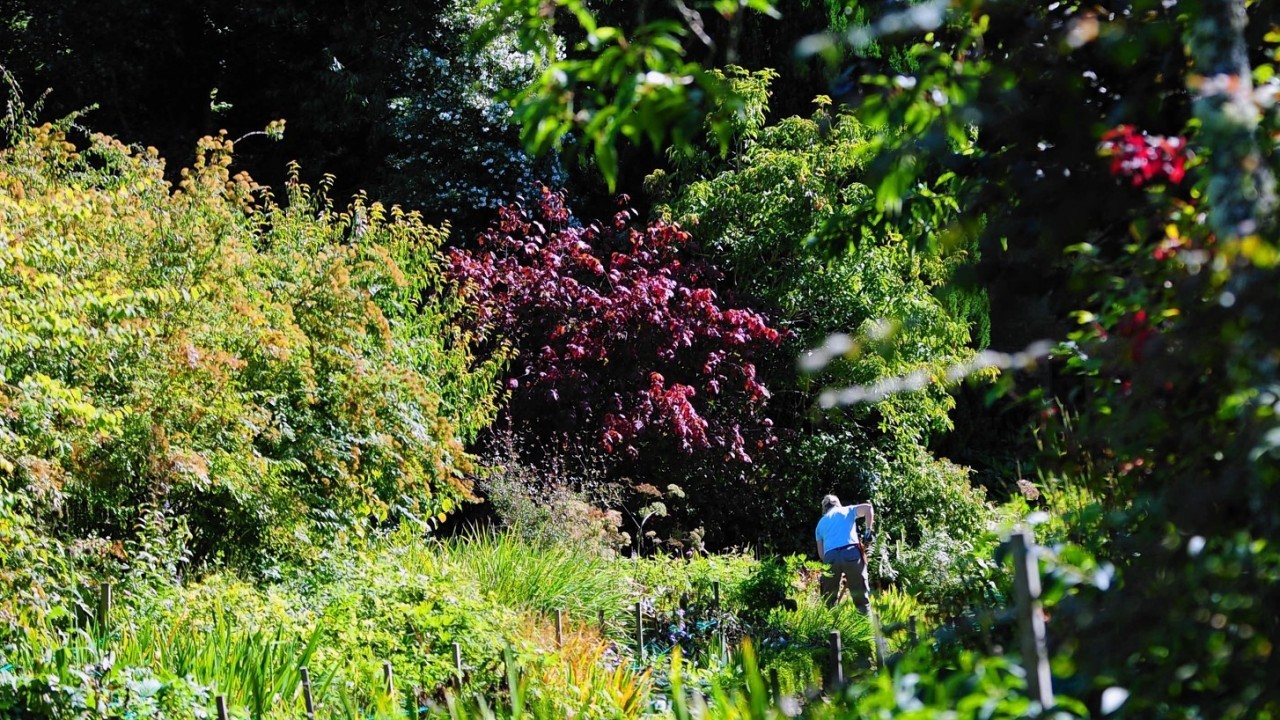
(640, 630)
(307, 702)
(715, 603)
(388, 678)
(835, 674)
(104, 607)
(559, 628)
(222, 707)
(877, 637)
(1035, 654)
(457, 663)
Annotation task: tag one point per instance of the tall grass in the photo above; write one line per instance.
(542, 577)
(255, 668)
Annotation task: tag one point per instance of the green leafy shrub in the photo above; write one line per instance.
(274, 374)
(862, 318)
(768, 587)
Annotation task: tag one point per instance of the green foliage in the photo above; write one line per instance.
(408, 607)
(865, 317)
(38, 587)
(265, 372)
(1173, 282)
(538, 577)
(693, 574)
(766, 588)
(635, 85)
(794, 182)
(254, 665)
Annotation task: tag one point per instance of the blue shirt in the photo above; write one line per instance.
(837, 528)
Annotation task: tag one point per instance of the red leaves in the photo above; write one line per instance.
(1144, 158)
(1137, 328)
(614, 328)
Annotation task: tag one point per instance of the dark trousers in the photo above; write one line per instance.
(849, 564)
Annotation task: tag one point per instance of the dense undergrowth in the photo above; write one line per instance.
(168, 648)
(245, 418)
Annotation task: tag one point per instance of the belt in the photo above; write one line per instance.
(842, 547)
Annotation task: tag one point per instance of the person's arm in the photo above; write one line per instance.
(820, 553)
(867, 513)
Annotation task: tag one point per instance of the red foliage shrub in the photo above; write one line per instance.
(620, 338)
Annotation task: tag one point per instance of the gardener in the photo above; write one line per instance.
(840, 546)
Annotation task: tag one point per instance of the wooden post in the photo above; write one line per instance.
(559, 628)
(877, 637)
(715, 603)
(1035, 655)
(221, 702)
(457, 663)
(640, 629)
(603, 628)
(388, 678)
(912, 632)
(307, 701)
(104, 607)
(775, 688)
(835, 674)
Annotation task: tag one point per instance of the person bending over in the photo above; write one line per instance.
(844, 551)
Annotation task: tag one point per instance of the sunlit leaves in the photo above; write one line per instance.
(616, 85)
(263, 370)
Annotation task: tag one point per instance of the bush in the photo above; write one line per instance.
(543, 508)
(274, 374)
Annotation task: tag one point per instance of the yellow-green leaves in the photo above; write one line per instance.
(268, 370)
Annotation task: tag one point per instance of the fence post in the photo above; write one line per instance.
(877, 637)
(457, 664)
(388, 678)
(559, 628)
(307, 701)
(221, 702)
(104, 607)
(1035, 655)
(715, 592)
(775, 688)
(640, 629)
(835, 675)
